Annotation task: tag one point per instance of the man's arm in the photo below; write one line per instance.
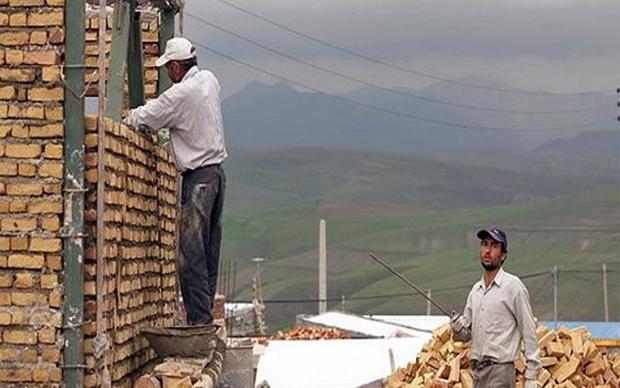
(156, 114)
(527, 328)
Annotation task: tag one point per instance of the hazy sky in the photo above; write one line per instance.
(554, 45)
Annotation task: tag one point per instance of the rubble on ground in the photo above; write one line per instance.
(307, 332)
(569, 359)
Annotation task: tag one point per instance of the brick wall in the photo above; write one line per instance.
(140, 200)
(31, 171)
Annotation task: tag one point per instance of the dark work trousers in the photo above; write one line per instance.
(496, 376)
(202, 202)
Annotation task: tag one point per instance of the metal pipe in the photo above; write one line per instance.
(409, 283)
(73, 220)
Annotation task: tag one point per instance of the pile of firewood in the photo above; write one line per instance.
(569, 359)
(310, 333)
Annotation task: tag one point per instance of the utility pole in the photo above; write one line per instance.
(322, 268)
(605, 300)
(555, 296)
(428, 302)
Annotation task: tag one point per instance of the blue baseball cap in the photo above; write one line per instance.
(496, 234)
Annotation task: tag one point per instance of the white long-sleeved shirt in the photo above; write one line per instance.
(191, 110)
(499, 317)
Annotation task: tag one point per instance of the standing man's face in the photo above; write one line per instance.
(491, 255)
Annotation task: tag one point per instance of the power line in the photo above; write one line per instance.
(409, 70)
(383, 88)
(396, 113)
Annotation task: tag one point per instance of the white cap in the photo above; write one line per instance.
(177, 49)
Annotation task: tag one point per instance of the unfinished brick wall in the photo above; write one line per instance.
(31, 171)
(140, 282)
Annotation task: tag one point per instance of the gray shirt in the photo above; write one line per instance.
(191, 110)
(499, 317)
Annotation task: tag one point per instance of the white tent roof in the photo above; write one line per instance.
(382, 326)
(333, 363)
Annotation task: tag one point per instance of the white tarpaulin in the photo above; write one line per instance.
(334, 363)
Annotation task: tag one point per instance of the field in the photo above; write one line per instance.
(421, 215)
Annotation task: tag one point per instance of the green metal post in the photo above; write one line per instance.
(73, 224)
(135, 70)
(118, 60)
(166, 32)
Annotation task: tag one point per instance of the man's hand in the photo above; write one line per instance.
(457, 322)
(530, 384)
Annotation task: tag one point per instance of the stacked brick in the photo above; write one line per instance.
(150, 39)
(31, 180)
(139, 232)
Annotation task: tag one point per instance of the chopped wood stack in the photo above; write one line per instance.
(310, 333)
(569, 359)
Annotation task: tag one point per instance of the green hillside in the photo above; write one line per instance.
(421, 216)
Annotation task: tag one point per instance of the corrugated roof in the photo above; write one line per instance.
(599, 330)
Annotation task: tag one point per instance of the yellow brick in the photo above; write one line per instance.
(55, 3)
(47, 131)
(17, 75)
(38, 37)
(5, 245)
(3, 111)
(40, 375)
(14, 57)
(46, 19)
(50, 73)
(47, 335)
(8, 169)
(50, 224)
(17, 19)
(90, 140)
(48, 281)
(18, 224)
(4, 261)
(7, 93)
(50, 354)
(45, 206)
(4, 206)
(26, 169)
(50, 169)
(19, 243)
(15, 375)
(26, 3)
(23, 298)
(54, 113)
(23, 337)
(55, 373)
(23, 280)
(19, 131)
(14, 38)
(91, 175)
(41, 57)
(55, 299)
(6, 280)
(26, 112)
(25, 261)
(34, 189)
(19, 318)
(4, 130)
(52, 188)
(28, 356)
(5, 299)
(18, 206)
(45, 245)
(25, 151)
(5, 319)
(4, 19)
(45, 94)
(53, 151)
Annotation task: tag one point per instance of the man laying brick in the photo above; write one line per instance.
(191, 110)
(497, 317)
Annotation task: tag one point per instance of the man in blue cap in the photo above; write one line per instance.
(497, 318)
